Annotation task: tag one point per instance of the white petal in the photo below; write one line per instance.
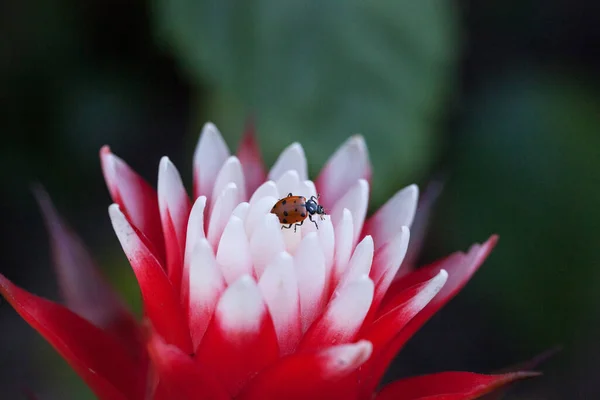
(231, 172)
(233, 254)
(292, 238)
(241, 307)
(344, 315)
(195, 233)
(397, 212)
(132, 244)
(280, 290)
(432, 288)
(241, 211)
(292, 158)
(343, 245)
(257, 212)
(172, 198)
(289, 182)
(311, 274)
(195, 226)
(360, 263)
(206, 285)
(347, 165)
(267, 189)
(307, 189)
(356, 200)
(387, 261)
(266, 242)
(211, 152)
(327, 241)
(222, 210)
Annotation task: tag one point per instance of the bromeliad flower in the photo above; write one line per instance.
(236, 307)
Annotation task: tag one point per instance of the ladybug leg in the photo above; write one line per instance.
(313, 198)
(289, 195)
(313, 221)
(297, 225)
(287, 227)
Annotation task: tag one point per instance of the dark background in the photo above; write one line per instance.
(500, 98)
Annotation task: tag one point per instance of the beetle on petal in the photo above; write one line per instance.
(293, 210)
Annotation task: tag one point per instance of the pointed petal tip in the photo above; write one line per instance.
(353, 355)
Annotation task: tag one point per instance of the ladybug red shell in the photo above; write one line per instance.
(293, 210)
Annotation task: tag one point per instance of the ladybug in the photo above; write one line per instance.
(293, 210)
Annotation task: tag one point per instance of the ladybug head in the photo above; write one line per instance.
(315, 208)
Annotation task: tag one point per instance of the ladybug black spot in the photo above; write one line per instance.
(283, 202)
(284, 221)
(285, 213)
(294, 201)
(303, 215)
(295, 209)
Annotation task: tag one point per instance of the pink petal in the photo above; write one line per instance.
(343, 317)
(83, 287)
(210, 155)
(240, 340)
(448, 386)
(279, 287)
(137, 199)
(174, 206)
(180, 376)
(206, 285)
(102, 362)
(251, 159)
(317, 375)
(399, 211)
(460, 268)
(161, 302)
(356, 200)
(292, 158)
(346, 166)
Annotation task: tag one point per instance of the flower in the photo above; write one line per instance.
(235, 306)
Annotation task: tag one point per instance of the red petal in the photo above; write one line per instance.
(180, 376)
(249, 155)
(137, 199)
(241, 340)
(175, 207)
(161, 302)
(83, 287)
(100, 360)
(408, 304)
(460, 268)
(311, 375)
(448, 386)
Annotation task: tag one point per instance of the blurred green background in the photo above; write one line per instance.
(501, 99)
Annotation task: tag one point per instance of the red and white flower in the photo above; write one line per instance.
(237, 308)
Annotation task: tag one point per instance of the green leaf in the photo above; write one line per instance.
(318, 71)
(527, 167)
